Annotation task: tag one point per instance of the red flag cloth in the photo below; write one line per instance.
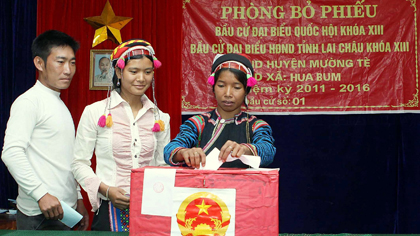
(257, 194)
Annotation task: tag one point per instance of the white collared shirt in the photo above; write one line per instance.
(128, 144)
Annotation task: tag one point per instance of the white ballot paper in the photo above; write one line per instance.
(158, 188)
(213, 163)
(70, 216)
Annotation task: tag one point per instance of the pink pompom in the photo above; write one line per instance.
(102, 121)
(121, 64)
(157, 63)
(210, 80)
(251, 82)
(156, 127)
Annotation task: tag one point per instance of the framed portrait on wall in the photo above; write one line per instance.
(101, 71)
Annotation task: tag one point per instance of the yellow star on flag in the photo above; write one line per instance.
(107, 25)
(203, 208)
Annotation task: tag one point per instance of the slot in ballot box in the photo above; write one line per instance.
(204, 202)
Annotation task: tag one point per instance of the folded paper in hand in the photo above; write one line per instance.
(213, 163)
(70, 216)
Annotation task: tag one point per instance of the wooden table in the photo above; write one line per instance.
(7, 221)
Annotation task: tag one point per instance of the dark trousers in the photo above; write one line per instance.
(38, 222)
(100, 220)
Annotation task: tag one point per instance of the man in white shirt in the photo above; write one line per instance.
(38, 144)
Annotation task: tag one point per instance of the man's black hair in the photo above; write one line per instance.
(42, 45)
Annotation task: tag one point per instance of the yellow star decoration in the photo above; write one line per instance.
(203, 208)
(107, 25)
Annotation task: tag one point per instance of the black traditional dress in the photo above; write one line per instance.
(209, 130)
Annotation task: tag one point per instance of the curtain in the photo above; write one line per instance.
(348, 173)
(18, 24)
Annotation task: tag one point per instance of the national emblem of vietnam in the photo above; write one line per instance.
(203, 213)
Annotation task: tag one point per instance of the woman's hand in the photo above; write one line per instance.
(118, 198)
(233, 148)
(192, 157)
(84, 223)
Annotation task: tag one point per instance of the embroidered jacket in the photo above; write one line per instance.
(209, 130)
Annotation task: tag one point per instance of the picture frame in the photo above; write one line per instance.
(101, 70)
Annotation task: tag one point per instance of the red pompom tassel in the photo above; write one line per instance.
(210, 80)
(251, 82)
(121, 64)
(156, 127)
(157, 63)
(102, 121)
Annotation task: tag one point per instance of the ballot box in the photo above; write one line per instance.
(184, 201)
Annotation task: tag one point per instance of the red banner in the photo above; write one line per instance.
(309, 56)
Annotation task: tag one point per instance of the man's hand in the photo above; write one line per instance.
(50, 206)
(118, 198)
(84, 223)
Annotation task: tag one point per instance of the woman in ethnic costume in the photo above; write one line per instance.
(227, 127)
(134, 136)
